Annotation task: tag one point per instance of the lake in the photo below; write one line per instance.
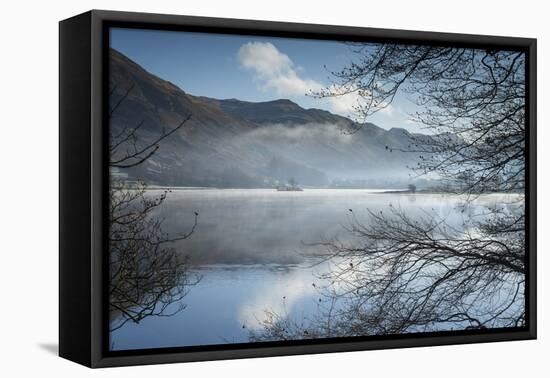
(250, 247)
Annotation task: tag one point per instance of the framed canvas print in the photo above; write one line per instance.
(233, 188)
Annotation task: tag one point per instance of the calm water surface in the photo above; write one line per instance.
(250, 249)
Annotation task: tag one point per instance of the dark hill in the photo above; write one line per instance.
(233, 143)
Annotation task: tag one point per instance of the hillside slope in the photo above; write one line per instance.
(233, 143)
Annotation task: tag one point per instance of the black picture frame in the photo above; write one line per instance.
(83, 181)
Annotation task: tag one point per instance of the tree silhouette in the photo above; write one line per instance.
(407, 273)
(146, 275)
(471, 101)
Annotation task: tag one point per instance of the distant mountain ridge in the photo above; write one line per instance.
(234, 143)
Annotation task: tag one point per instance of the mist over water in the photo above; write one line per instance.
(250, 248)
(256, 226)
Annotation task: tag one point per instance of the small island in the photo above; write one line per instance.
(292, 186)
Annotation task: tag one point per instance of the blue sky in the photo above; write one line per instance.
(250, 68)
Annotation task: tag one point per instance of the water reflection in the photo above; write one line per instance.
(249, 249)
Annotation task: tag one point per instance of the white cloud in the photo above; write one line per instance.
(264, 58)
(275, 71)
(291, 84)
(387, 110)
(345, 103)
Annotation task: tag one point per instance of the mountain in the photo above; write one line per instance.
(280, 111)
(234, 143)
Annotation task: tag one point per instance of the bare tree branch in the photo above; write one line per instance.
(146, 278)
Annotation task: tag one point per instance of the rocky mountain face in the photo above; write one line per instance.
(233, 143)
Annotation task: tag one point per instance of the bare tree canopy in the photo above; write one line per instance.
(146, 275)
(408, 273)
(126, 150)
(414, 274)
(471, 100)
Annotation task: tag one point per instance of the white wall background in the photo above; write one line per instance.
(29, 189)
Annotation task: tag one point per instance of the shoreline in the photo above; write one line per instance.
(306, 189)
